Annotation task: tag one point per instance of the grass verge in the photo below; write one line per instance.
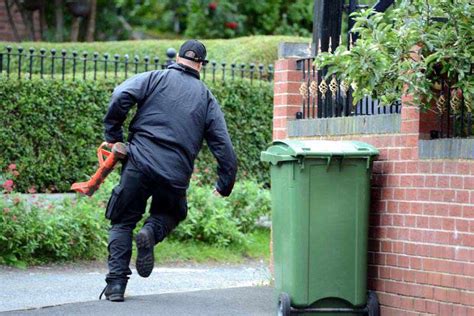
(172, 251)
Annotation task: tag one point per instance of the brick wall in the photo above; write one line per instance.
(421, 238)
(6, 32)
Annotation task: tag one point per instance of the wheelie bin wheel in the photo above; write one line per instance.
(373, 305)
(284, 305)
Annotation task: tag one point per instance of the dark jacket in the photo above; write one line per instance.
(175, 113)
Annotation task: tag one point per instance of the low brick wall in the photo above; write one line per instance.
(421, 238)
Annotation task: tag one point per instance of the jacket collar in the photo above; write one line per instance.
(185, 69)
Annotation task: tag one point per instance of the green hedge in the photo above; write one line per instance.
(50, 129)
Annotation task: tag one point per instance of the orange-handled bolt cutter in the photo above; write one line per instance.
(119, 152)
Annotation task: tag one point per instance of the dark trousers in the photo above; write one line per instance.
(125, 209)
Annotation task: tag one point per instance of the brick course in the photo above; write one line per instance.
(421, 238)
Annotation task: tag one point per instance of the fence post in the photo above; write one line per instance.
(106, 59)
(126, 65)
(116, 60)
(135, 61)
(53, 54)
(232, 69)
(74, 62)
(42, 56)
(213, 70)
(96, 56)
(146, 59)
(252, 70)
(9, 50)
(20, 54)
(32, 51)
(223, 70)
(63, 61)
(84, 71)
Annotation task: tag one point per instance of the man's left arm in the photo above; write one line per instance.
(126, 95)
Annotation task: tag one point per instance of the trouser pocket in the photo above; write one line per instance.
(114, 207)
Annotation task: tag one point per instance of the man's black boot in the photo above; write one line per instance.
(114, 291)
(145, 241)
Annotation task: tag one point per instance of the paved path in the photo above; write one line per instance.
(246, 301)
(55, 285)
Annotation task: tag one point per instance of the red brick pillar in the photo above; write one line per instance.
(416, 120)
(287, 100)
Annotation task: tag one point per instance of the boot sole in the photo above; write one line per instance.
(145, 257)
(115, 298)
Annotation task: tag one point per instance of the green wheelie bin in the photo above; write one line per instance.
(320, 200)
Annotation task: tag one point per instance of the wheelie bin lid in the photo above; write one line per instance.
(292, 149)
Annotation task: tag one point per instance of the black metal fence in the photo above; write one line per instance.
(332, 97)
(61, 64)
(454, 109)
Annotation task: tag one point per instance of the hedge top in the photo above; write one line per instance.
(253, 49)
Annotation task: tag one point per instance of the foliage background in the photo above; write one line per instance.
(50, 129)
(139, 19)
(416, 46)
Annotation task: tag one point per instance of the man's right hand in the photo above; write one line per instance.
(109, 145)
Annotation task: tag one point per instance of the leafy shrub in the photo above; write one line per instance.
(43, 231)
(416, 46)
(223, 221)
(248, 203)
(209, 219)
(50, 129)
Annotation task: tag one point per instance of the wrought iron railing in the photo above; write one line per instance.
(61, 64)
(454, 109)
(329, 97)
(332, 97)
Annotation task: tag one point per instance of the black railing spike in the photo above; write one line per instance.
(135, 61)
(213, 63)
(9, 50)
(53, 57)
(106, 59)
(20, 54)
(84, 67)
(171, 54)
(63, 63)
(252, 69)
(32, 51)
(116, 61)
(96, 57)
(126, 65)
(146, 59)
(270, 72)
(223, 70)
(74, 61)
(33, 61)
(42, 56)
(232, 68)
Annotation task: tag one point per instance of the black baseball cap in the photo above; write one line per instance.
(194, 50)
